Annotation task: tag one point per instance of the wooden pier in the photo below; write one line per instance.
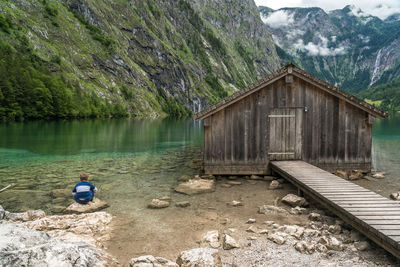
(375, 216)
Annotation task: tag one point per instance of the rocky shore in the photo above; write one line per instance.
(233, 221)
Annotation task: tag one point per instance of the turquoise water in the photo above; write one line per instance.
(126, 159)
(134, 160)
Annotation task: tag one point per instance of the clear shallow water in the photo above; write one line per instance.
(127, 159)
(386, 155)
(130, 161)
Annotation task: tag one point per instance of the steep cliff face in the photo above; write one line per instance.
(346, 47)
(147, 58)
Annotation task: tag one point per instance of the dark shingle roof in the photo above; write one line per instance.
(290, 69)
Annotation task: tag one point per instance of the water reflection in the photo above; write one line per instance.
(96, 136)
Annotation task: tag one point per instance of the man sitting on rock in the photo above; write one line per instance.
(83, 191)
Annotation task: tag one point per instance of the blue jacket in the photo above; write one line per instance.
(84, 191)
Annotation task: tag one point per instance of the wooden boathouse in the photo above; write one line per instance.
(289, 115)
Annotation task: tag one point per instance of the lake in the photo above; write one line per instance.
(128, 159)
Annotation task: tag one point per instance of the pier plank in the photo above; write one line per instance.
(372, 214)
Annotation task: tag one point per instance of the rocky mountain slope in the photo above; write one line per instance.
(79, 58)
(345, 47)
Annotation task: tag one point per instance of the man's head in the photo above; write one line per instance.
(84, 176)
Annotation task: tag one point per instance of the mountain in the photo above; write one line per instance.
(88, 58)
(346, 47)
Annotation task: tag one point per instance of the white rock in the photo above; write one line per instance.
(29, 215)
(150, 261)
(91, 206)
(294, 200)
(212, 238)
(362, 245)
(331, 243)
(251, 220)
(199, 257)
(293, 230)
(298, 211)
(395, 196)
(269, 209)
(335, 229)
(311, 233)
(196, 186)
(305, 247)
(276, 238)
(252, 229)
(264, 231)
(230, 242)
(235, 203)
(21, 246)
(269, 223)
(379, 175)
(274, 185)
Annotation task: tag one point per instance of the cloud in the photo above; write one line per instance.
(379, 8)
(278, 19)
(320, 49)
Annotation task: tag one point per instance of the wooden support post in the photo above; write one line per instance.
(299, 192)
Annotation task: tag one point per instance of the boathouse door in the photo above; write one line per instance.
(285, 133)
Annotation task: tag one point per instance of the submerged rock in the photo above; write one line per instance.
(21, 246)
(294, 200)
(199, 257)
(196, 186)
(356, 175)
(379, 175)
(158, 204)
(150, 261)
(91, 206)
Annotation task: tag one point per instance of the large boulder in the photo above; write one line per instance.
(91, 228)
(294, 200)
(196, 186)
(21, 246)
(151, 261)
(199, 257)
(91, 206)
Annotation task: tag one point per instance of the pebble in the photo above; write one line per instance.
(235, 203)
(234, 183)
(251, 220)
(182, 204)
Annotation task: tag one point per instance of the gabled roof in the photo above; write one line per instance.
(293, 70)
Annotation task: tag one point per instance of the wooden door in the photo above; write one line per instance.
(285, 133)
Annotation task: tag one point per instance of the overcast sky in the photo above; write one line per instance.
(379, 8)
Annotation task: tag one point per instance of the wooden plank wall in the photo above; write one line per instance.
(335, 134)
